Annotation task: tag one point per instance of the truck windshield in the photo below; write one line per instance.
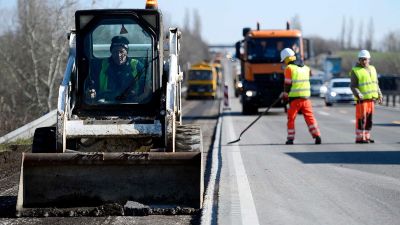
(200, 75)
(267, 50)
(315, 82)
(120, 53)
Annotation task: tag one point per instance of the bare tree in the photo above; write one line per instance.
(324, 46)
(186, 21)
(32, 55)
(196, 23)
(350, 34)
(360, 35)
(391, 41)
(343, 33)
(370, 35)
(295, 22)
(193, 48)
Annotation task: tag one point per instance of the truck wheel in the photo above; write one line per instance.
(245, 108)
(44, 140)
(188, 138)
(249, 109)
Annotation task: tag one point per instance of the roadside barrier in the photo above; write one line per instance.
(226, 96)
(28, 130)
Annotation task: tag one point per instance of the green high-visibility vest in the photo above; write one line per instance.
(300, 81)
(367, 81)
(104, 77)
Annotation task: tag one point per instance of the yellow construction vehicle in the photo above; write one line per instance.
(121, 138)
(202, 81)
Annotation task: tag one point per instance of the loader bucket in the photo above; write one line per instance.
(65, 180)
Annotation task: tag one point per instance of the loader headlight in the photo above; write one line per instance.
(239, 84)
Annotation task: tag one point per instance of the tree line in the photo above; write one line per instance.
(385, 53)
(33, 52)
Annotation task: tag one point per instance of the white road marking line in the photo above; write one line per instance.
(247, 207)
(323, 113)
(209, 211)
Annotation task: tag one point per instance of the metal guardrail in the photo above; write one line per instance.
(391, 99)
(28, 130)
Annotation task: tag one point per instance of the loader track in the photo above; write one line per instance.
(188, 138)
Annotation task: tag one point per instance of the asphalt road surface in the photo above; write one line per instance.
(264, 181)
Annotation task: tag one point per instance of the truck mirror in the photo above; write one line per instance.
(238, 55)
(245, 31)
(307, 49)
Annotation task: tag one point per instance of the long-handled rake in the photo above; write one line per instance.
(259, 116)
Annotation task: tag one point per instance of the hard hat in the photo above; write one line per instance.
(287, 52)
(119, 41)
(364, 54)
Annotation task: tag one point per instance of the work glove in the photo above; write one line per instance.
(360, 96)
(92, 93)
(284, 96)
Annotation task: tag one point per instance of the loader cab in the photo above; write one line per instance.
(106, 86)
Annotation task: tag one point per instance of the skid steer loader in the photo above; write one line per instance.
(119, 135)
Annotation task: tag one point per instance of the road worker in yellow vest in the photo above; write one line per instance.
(365, 88)
(120, 78)
(297, 93)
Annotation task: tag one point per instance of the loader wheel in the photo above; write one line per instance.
(188, 138)
(44, 140)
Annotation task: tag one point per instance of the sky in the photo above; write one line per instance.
(223, 20)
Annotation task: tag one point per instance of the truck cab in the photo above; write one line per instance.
(261, 66)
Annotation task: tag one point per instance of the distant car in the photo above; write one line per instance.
(323, 89)
(316, 83)
(339, 91)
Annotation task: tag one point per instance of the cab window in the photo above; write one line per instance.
(120, 69)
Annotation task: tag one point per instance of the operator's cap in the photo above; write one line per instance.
(119, 41)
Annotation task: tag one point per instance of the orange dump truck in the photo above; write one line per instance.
(261, 67)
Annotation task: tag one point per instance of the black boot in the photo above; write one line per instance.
(289, 142)
(318, 140)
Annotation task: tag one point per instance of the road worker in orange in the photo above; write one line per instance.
(297, 93)
(365, 88)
